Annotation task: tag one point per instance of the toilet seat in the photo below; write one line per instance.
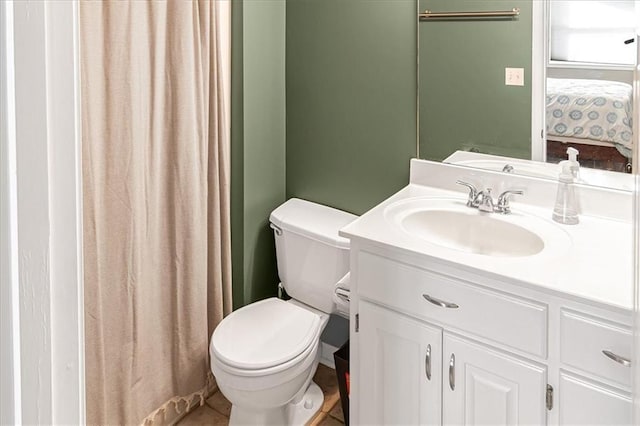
(265, 337)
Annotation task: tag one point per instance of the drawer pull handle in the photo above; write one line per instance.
(452, 372)
(427, 363)
(617, 358)
(440, 303)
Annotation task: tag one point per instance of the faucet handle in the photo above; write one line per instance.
(473, 193)
(502, 206)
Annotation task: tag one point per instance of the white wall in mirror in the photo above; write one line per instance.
(592, 31)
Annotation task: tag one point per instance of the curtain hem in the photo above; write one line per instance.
(177, 407)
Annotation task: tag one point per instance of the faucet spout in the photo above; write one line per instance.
(484, 201)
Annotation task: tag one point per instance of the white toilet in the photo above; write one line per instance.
(265, 354)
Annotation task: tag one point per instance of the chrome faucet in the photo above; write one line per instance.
(483, 201)
(473, 193)
(502, 205)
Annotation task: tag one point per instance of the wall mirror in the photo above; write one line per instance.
(513, 91)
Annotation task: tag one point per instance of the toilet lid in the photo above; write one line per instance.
(264, 334)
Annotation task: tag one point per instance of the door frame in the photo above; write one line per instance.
(636, 229)
(41, 206)
(539, 55)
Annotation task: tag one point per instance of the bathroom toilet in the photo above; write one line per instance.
(265, 354)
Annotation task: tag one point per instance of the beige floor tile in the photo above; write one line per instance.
(315, 421)
(204, 415)
(327, 420)
(336, 412)
(325, 377)
(218, 402)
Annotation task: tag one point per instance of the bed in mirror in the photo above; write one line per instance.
(515, 92)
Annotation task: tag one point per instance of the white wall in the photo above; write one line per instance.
(9, 351)
(44, 274)
(32, 200)
(625, 76)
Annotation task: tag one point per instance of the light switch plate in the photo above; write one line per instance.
(514, 76)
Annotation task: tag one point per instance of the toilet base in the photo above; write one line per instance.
(311, 402)
(294, 413)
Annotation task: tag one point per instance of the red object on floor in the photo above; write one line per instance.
(346, 376)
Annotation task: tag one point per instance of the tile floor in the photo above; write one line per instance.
(217, 409)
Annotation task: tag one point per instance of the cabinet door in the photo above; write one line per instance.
(582, 401)
(483, 386)
(400, 371)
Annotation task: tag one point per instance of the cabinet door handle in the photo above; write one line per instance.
(452, 372)
(439, 302)
(343, 294)
(617, 358)
(427, 363)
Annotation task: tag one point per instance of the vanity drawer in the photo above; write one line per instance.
(583, 339)
(511, 321)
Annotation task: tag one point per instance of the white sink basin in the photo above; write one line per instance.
(450, 224)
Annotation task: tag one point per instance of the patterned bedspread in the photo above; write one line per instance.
(591, 109)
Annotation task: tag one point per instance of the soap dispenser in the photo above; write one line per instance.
(566, 208)
(572, 155)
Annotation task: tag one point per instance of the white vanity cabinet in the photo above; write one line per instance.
(485, 386)
(429, 348)
(583, 401)
(462, 316)
(413, 373)
(594, 385)
(408, 395)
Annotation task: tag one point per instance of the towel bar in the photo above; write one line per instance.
(427, 14)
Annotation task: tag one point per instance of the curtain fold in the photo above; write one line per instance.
(156, 202)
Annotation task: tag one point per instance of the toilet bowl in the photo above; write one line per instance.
(265, 377)
(264, 355)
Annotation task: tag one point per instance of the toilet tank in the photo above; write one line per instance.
(312, 257)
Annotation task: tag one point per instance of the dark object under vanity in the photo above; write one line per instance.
(341, 358)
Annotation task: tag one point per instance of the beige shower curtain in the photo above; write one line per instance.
(156, 203)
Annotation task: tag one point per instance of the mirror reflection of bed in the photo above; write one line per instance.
(589, 103)
(593, 116)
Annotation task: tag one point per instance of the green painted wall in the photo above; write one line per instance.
(464, 103)
(350, 103)
(258, 144)
(351, 100)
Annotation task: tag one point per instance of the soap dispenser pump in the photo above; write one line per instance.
(572, 155)
(566, 207)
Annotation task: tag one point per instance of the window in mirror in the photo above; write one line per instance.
(593, 31)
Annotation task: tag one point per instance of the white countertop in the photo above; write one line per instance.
(596, 265)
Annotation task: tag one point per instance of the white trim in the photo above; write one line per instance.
(47, 203)
(636, 105)
(636, 226)
(32, 186)
(65, 212)
(539, 43)
(10, 386)
(589, 66)
(326, 355)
